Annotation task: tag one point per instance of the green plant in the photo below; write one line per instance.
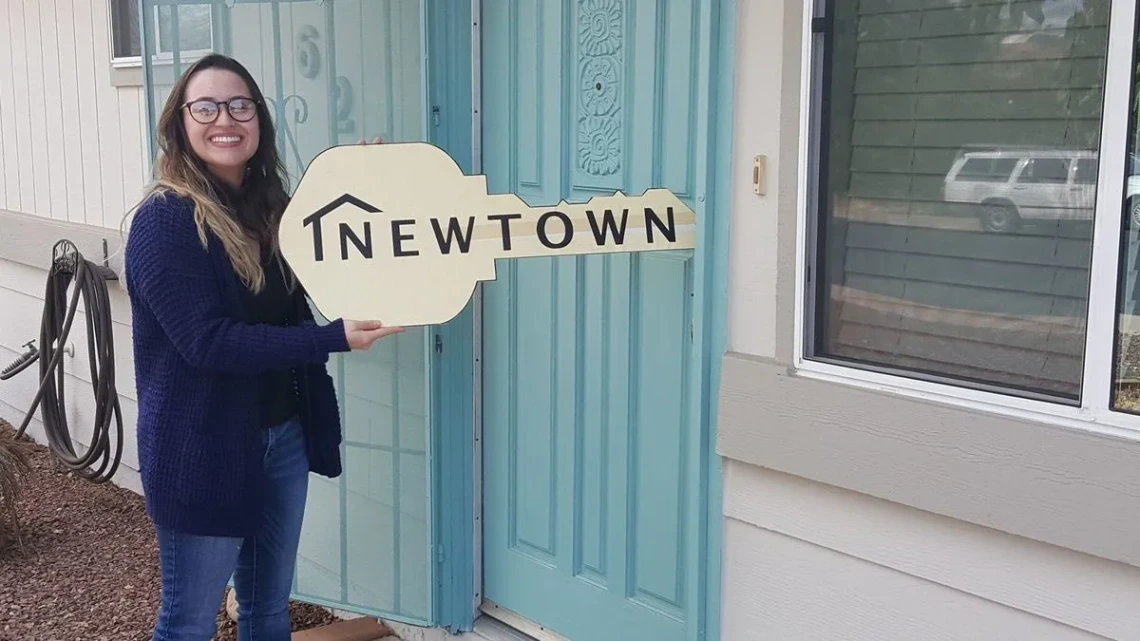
(15, 465)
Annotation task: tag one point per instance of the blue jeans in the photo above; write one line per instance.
(196, 569)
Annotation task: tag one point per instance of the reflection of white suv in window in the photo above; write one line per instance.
(1016, 185)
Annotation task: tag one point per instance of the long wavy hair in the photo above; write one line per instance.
(244, 220)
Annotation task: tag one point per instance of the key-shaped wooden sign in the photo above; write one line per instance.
(397, 233)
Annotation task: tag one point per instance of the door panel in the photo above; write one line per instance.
(334, 73)
(591, 457)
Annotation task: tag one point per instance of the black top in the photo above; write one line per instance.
(273, 306)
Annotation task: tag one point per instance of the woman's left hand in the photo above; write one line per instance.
(377, 141)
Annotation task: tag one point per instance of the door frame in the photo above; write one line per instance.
(454, 90)
(722, 62)
(717, 57)
(476, 20)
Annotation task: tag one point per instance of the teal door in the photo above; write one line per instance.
(594, 458)
(373, 540)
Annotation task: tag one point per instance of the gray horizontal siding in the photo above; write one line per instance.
(1008, 310)
(1031, 250)
(1082, 42)
(973, 278)
(952, 134)
(1032, 105)
(913, 281)
(922, 19)
(1062, 339)
(871, 7)
(1005, 76)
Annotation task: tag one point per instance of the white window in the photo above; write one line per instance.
(192, 29)
(973, 213)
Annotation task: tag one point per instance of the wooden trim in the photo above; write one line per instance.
(788, 179)
(28, 239)
(1045, 482)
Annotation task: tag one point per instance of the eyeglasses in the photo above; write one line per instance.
(206, 111)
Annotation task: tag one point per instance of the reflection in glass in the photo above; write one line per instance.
(1126, 365)
(126, 34)
(957, 189)
(194, 28)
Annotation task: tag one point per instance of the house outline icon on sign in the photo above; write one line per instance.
(346, 232)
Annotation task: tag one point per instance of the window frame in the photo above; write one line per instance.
(159, 57)
(1092, 412)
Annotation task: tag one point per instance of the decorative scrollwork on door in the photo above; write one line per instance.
(308, 55)
(343, 100)
(600, 108)
(300, 116)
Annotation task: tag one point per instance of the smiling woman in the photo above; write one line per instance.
(235, 406)
(223, 146)
(201, 145)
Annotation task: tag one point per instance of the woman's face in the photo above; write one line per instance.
(225, 137)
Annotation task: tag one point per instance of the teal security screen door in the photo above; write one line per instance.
(596, 465)
(335, 72)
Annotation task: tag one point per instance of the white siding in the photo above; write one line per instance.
(73, 144)
(72, 148)
(808, 561)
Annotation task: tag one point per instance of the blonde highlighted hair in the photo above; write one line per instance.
(263, 194)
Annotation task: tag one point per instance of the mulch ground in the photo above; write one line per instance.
(87, 568)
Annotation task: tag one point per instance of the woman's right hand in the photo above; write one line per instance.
(361, 334)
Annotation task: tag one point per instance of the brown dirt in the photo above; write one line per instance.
(87, 568)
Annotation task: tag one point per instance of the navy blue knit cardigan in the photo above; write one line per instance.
(196, 360)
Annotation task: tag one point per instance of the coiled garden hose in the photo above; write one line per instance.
(101, 459)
